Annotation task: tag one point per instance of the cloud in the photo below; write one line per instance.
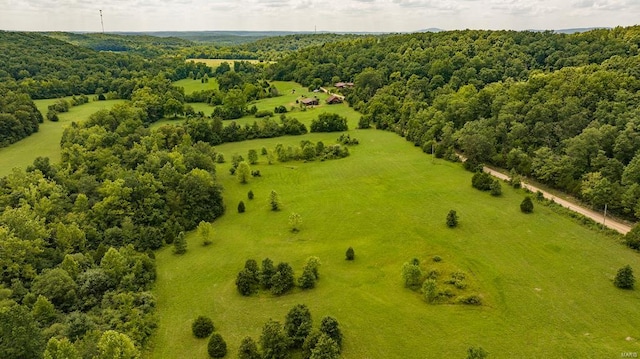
(602, 4)
(522, 7)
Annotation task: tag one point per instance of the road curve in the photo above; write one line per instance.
(598, 217)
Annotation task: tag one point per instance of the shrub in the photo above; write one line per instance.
(298, 324)
(496, 188)
(295, 220)
(330, 327)
(476, 353)
(364, 122)
(280, 109)
(473, 299)
(329, 122)
(248, 349)
(274, 201)
(452, 219)
(411, 275)
(283, 280)
(217, 347)
(241, 207)
(180, 244)
(202, 327)
(220, 158)
(482, 181)
(527, 205)
(250, 194)
(351, 255)
(247, 282)
(430, 290)
(263, 113)
(624, 278)
(437, 258)
(632, 238)
(252, 156)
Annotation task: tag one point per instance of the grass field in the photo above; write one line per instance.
(546, 281)
(46, 142)
(191, 86)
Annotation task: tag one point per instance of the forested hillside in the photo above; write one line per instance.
(560, 108)
(19, 116)
(45, 67)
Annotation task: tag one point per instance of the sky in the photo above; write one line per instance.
(310, 15)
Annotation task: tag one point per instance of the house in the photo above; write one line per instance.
(342, 85)
(333, 99)
(310, 102)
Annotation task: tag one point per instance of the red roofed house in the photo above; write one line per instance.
(342, 85)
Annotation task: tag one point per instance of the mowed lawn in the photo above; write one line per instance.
(46, 142)
(546, 281)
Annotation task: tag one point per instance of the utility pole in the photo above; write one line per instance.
(101, 21)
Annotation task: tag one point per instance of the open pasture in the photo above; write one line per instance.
(546, 282)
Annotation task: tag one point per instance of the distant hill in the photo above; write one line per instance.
(578, 29)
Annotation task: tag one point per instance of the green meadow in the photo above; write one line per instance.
(191, 85)
(217, 62)
(46, 142)
(546, 281)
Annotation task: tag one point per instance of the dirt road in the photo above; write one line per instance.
(598, 217)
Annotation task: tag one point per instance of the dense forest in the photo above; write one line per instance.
(562, 109)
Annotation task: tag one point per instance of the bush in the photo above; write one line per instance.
(364, 122)
(247, 282)
(329, 122)
(263, 113)
(250, 194)
(241, 207)
(202, 327)
(437, 258)
(482, 181)
(473, 299)
(248, 349)
(624, 278)
(496, 188)
(452, 219)
(330, 327)
(430, 290)
(217, 347)
(274, 201)
(280, 109)
(527, 205)
(411, 274)
(351, 255)
(476, 353)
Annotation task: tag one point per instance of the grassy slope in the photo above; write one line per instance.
(46, 142)
(217, 62)
(546, 280)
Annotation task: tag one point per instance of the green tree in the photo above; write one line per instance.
(295, 220)
(351, 254)
(283, 279)
(252, 156)
(204, 232)
(411, 274)
(310, 343)
(202, 327)
(217, 347)
(527, 205)
(430, 290)
(20, 336)
(57, 286)
(248, 349)
(325, 348)
(274, 201)
(243, 172)
(241, 207)
(624, 278)
(246, 282)
(268, 270)
(476, 353)
(496, 188)
(452, 219)
(329, 326)
(43, 311)
(307, 280)
(173, 107)
(274, 341)
(180, 244)
(114, 345)
(250, 195)
(60, 349)
(298, 324)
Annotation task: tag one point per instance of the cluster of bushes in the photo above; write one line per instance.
(435, 286)
(297, 333)
(19, 116)
(202, 328)
(485, 182)
(63, 105)
(278, 280)
(329, 122)
(212, 131)
(346, 140)
(308, 151)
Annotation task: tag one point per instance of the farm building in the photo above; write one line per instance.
(333, 99)
(310, 102)
(342, 85)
